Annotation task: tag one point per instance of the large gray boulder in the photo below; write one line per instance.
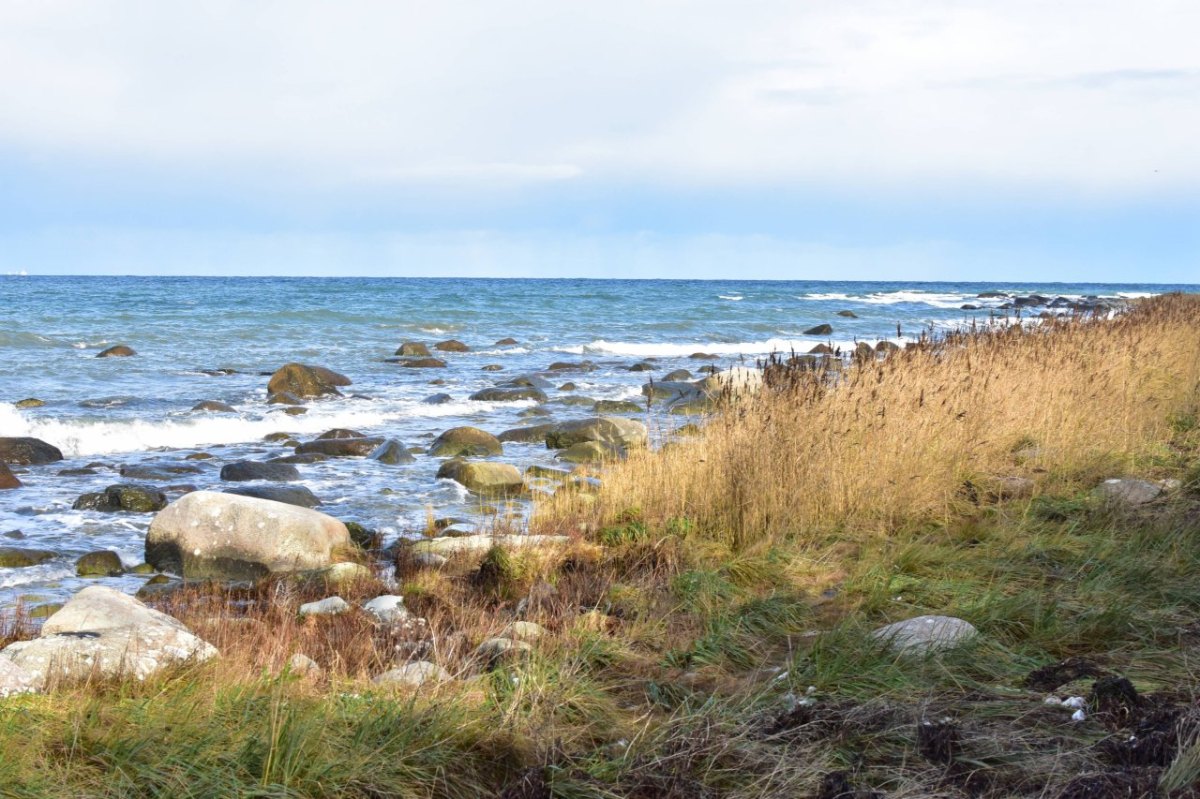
(737, 381)
(1127, 491)
(484, 477)
(615, 431)
(226, 536)
(926, 634)
(28, 451)
(101, 632)
(468, 441)
(15, 680)
(241, 471)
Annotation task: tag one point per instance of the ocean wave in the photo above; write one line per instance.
(933, 299)
(731, 297)
(731, 349)
(819, 296)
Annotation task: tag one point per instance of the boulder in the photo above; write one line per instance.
(101, 632)
(413, 349)
(99, 564)
(506, 342)
(308, 457)
(614, 430)
(886, 346)
(527, 435)
(568, 386)
(226, 536)
(299, 496)
(304, 381)
(819, 330)
(925, 634)
(213, 406)
(28, 451)
(527, 381)
(467, 441)
(679, 375)
(392, 453)
(239, 471)
(341, 447)
(514, 394)
(483, 477)
(7, 478)
(589, 452)
(284, 398)
(19, 558)
(423, 363)
(670, 390)
(337, 433)
(821, 349)
(438, 399)
(413, 675)
(157, 470)
(1125, 491)
(847, 314)
(31, 402)
(451, 345)
(117, 351)
(738, 380)
(642, 367)
(130, 497)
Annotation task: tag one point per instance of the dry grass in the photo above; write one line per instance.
(896, 441)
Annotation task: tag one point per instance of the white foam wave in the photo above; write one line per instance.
(731, 297)
(1136, 295)
(819, 296)
(919, 297)
(665, 350)
(504, 351)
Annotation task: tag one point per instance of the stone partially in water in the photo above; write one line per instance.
(99, 564)
(451, 345)
(7, 478)
(527, 435)
(819, 330)
(31, 402)
(226, 536)
(28, 451)
(299, 496)
(341, 447)
(410, 349)
(301, 380)
(482, 477)
(589, 452)
(613, 430)
(240, 471)
(19, 558)
(513, 394)
(391, 452)
(469, 441)
(130, 497)
(117, 351)
(213, 406)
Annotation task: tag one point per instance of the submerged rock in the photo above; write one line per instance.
(413, 349)
(130, 497)
(301, 380)
(101, 632)
(240, 471)
(451, 345)
(213, 406)
(617, 406)
(227, 536)
(341, 447)
(423, 363)
(28, 451)
(469, 441)
(104, 563)
(7, 478)
(117, 351)
(926, 634)
(299, 496)
(20, 558)
(513, 394)
(391, 452)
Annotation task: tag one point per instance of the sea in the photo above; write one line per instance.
(211, 338)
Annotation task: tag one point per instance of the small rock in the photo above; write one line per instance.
(18, 558)
(213, 406)
(1125, 491)
(32, 402)
(413, 349)
(99, 564)
(430, 560)
(924, 634)
(117, 351)
(423, 363)
(451, 345)
(495, 650)
(303, 666)
(325, 607)
(392, 453)
(819, 330)
(7, 478)
(847, 314)
(413, 675)
(468, 441)
(387, 609)
(240, 471)
(524, 631)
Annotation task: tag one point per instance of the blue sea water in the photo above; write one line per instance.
(117, 411)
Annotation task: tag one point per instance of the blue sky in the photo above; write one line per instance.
(856, 140)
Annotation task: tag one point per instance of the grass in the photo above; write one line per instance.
(707, 631)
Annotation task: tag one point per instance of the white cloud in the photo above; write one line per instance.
(1078, 96)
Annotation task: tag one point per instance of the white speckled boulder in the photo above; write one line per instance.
(924, 634)
(226, 536)
(101, 632)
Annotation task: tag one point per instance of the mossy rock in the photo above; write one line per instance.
(99, 564)
(413, 349)
(31, 402)
(465, 441)
(589, 452)
(617, 406)
(481, 477)
(19, 558)
(303, 381)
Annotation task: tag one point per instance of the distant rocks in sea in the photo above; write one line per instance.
(306, 382)
(117, 351)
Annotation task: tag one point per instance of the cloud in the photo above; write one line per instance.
(862, 95)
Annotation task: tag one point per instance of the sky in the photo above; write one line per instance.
(773, 139)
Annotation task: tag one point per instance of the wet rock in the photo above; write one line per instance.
(465, 441)
(28, 451)
(703, 356)
(575, 402)
(423, 363)
(738, 380)
(535, 411)
(19, 558)
(7, 478)
(1126, 491)
(451, 345)
(213, 406)
(284, 398)
(514, 394)
(566, 366)
(31, 402)
(887, 346)
(821, 349)
(568, 386)
(207, 534)
(83, 471)
(117, 351)
(130, 497)
(413, 349)
(847, 314)
(617, 406)
(338, 433)
(506, 342)
(493, 367)
(527, 381)
(925, 634)
(306, 381)
(670, 390)
(308, 457)
(679, 375)
(362, 536)
(642, 367)
(239, 471)
(527, 435)
(485, 478)
(330, 606)
(819, 330)
(392, 453)
(159, 470)
(387, 609)
(299, 496)
(99, 564)
(614, 430)
(101, 632)
(968, 307)
(589, 452)
(413, 675)
(341, 447)
(438, 399)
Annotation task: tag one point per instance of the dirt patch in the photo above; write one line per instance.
(1125, 784)
(1047, 678)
